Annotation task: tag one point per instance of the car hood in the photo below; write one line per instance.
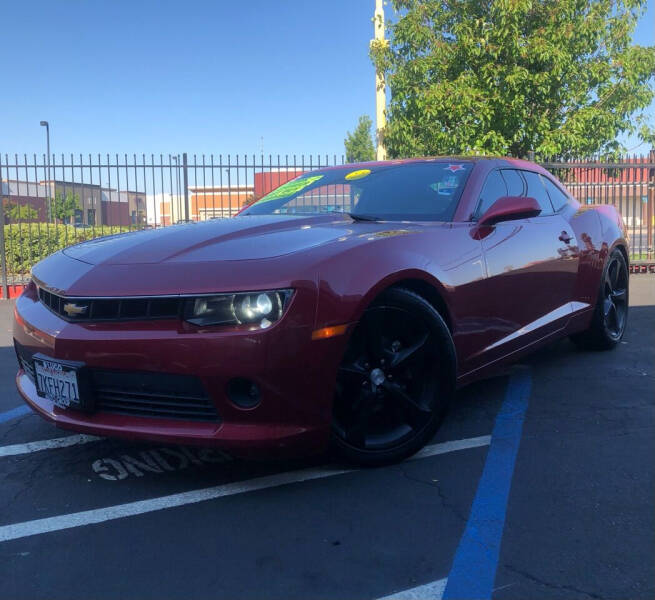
(240, 238)
(243, 253)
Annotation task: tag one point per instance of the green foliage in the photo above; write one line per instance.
(64, 207)
(21, 212)
(26, 244)
(359, 143)
(559, 77)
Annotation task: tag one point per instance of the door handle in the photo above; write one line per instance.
(565, 237)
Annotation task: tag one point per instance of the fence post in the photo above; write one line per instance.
(3, 248)
(185, 170)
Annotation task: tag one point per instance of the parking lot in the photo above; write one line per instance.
(540, 484)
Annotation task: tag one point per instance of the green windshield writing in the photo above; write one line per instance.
(290, 188)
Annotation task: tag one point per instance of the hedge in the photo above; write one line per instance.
(28, 243)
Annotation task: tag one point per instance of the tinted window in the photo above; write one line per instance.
(338, 197)
(514, 182)
(414, 192)
(557, 196)
(494, 188)
(537, 191)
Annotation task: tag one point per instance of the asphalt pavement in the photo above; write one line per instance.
(540, 484)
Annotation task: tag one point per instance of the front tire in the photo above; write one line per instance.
(395, 380)
(611, 312)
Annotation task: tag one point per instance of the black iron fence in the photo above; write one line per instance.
(51, 202)
(627, 182)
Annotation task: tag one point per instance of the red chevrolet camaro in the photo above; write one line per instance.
(346, 306)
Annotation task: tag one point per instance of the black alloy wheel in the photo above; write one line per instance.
(611, 311)
(395, 380)
(615, 297)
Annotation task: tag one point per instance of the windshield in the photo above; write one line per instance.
(426, 191)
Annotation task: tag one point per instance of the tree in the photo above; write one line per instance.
(558, 77)
(359, 144)
(21, 212)
(64, 207)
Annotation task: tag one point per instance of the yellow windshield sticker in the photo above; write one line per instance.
(357, 174)
(290, 188)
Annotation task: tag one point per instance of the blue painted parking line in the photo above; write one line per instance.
(474, 567)
(19, 411)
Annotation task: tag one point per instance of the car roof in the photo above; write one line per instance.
(496, 161)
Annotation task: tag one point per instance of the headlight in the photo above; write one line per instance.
(261, 308)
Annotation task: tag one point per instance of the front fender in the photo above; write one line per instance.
(448, 259)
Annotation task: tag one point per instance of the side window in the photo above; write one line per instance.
(514, 182)
(494, 187)
(557, 196)
(537, 191)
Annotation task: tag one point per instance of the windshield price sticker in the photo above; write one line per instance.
(360, 174)
(291, 187)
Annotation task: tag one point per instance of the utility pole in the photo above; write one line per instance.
(3, 253)
(650, 210)
(380, 87)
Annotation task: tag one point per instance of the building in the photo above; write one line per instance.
(23, 193)
(162, 209)
(88, 196)
(96, 205)
(210, 202)
(126, 208)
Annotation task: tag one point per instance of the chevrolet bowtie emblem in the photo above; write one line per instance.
(73, 310)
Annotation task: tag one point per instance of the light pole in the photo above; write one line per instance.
(47, 137)
(380, 87)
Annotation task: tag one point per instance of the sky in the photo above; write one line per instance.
(196, 76)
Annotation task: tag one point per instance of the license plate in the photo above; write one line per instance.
(58, 382)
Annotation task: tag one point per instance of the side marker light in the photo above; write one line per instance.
(328, 332)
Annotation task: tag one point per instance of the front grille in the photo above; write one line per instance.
(142, 394)
(111, 309)
(152, 395)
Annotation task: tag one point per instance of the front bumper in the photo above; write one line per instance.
(295, 375)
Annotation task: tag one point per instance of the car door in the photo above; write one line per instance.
(555, 283)
(530, 268)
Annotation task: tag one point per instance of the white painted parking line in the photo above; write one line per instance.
(64, 442)
(452, 446)
(109, 513)
(430, 591)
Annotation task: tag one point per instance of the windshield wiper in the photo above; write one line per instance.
(357, 217)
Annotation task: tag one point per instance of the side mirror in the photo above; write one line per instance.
(510, 208)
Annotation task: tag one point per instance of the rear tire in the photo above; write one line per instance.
(611, 311)
(395, 381)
